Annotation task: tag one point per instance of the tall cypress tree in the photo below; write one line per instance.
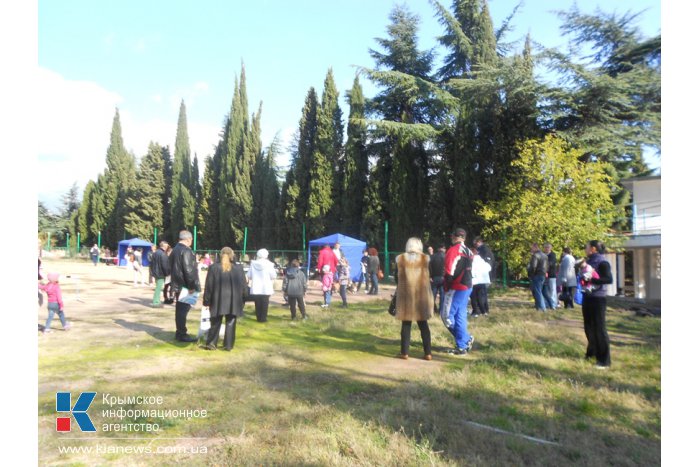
(167, 194)
(118, 179)
(208, 215)
(84, 218)
(356, 162)
(183, 201)
(144, 201)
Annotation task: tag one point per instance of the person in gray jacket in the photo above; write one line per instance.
(567, 277)
(294, 286)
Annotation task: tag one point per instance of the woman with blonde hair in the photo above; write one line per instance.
(224, 293)
(414, 296)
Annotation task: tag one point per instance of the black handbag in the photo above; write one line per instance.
(392, 305)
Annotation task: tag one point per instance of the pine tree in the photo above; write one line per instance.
(270, 194)
(183, 201)
(167, 194)
(144, 201)
(84, 218)
(208, 216)
(356, 162)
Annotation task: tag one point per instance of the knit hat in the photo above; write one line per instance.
(53, 276)
(262, 253)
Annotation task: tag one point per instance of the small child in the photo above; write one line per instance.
(587, 274)
(327, 286)
(53, 291)
(344, 279)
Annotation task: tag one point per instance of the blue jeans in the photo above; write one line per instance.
(375, 284)
(343, 294)
(536, 285)
(327, 297)
(454, 315)
(550, 292)
(53, 308)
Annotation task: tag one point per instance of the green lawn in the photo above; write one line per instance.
(329, 391)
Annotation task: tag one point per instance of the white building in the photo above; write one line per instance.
(643, 247)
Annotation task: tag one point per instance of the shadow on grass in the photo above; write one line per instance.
(157, 333)
(137, 301)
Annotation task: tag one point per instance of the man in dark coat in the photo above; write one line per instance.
(160, 269)
(537, 273)
(224, 294)
(549, 291)
(437, 271)
(183, 275)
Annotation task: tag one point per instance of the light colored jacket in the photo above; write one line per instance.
(480, 271)
(261, 275)
(567, 275)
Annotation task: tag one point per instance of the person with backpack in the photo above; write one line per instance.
(294, 287)
(458, 288)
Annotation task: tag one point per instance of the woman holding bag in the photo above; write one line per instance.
(224, 293)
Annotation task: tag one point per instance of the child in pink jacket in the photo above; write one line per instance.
(327, 285)
(53, 291)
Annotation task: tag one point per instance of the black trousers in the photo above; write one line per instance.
(424, 335)
(261, 304)
(293, 306)
(181, 310)
(568, 296)
(480, 299)
(166, 294)
(229, 333)
(595, 329)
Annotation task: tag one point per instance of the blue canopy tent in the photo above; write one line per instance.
(352, 248)
(134, 243)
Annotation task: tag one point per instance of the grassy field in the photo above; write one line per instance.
(329, 391)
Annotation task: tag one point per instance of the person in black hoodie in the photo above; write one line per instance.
(294, 286)
(224, 294)
(183, 275)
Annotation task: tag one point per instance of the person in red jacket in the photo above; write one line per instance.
(458, 288)
(326, 256)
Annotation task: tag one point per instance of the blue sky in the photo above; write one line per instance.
(145, 56)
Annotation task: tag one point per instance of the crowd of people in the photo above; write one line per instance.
(440, 282)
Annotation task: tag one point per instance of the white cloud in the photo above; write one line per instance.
(74, 123)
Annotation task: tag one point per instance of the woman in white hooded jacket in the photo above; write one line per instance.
(261, 275)
(480, 280)
(566, 278)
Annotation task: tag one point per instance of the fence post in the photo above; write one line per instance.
(99, 239)
(77, 250)
(245, 241)
(303, 238)
(68, 244)
(48, 241)
(195, 239)
(505, 263)
(155, 235)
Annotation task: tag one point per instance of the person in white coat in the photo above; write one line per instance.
(260, 279)
(566, 278)
(481, 279)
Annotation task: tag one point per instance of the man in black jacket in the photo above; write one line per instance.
(550, 285)
(160, 269)
(183, 275)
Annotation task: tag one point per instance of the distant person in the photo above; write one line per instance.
(537, 273)
(327, 257)
(566, 278)
(149, 257)
(160, 269)
(135, 267)
(326, 285)
(365, 275)
(55, 302)
(138, 255)
(594, 305)
(437, 271)
(414, 297)
(458, 288)
(224, 294)
(480, 281)
(168, 298)
(183, 275)
(343, 279)
(373, 270)
(261, 275)
(294, 286)
(487, 255)
(550, 285)
(94, 254)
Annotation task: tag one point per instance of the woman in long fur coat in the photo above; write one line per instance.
(414, 297)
